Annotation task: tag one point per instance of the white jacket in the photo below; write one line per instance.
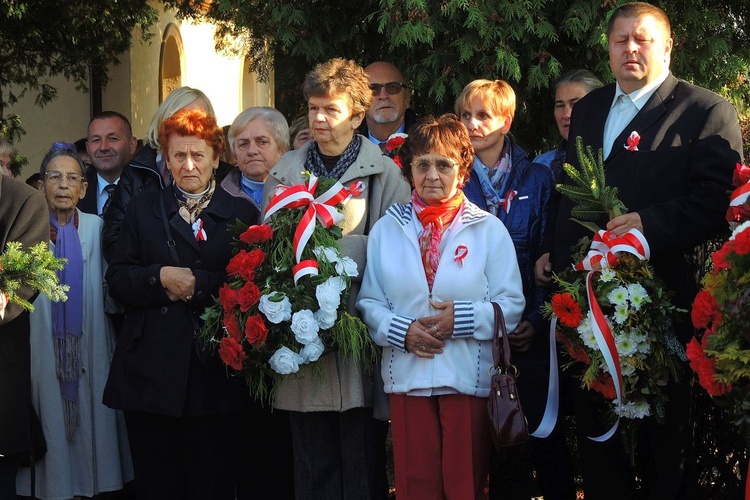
(394, 293)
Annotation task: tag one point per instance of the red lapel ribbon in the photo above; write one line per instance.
(322, 208)
(505, 202)
(606, 246)
(461, 252)
(198, 231)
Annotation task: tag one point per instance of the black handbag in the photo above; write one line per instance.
(507, 422)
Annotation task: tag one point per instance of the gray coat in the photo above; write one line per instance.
(342, 385)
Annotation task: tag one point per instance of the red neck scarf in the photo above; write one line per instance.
(434, 220)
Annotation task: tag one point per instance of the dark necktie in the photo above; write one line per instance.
(109, 189)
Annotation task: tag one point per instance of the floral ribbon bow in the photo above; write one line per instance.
(322, 208)
(198, 231)
(607, 247)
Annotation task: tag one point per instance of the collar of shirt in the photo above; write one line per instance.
(640, 97)
(377, 141)
(101, 183)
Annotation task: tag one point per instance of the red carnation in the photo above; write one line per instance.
(231, 353)
(719, 257)
(248, 296)
(742, 242)
(232, 324)
(228, 297)
(567, 310)
(394, 143)
(704, 309)
(238, 266)
(256, 234)
(741, 175)
(255, 330)
(255, 258)
(705, 368)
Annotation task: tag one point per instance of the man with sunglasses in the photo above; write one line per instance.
(389, 112)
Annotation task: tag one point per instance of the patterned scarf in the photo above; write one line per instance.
(314, 164)
(67, 318)
(191, 205)
(434, 221)
(493, 182)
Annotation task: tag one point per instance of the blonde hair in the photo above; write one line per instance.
(175, 101)
(496, 95)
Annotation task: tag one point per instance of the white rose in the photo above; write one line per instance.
(285, 361)
(312, 351)
(325, 319)
(347, 267)
(328, 293)
(330, 254)
(304, 326)
(276, 312)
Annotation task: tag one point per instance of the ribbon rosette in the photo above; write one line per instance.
(509, 196)
(461, 252)
(322, 208)
(607, 247)
(632, 142)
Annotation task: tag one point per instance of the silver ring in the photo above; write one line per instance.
(421, 347)
(434, 327)
(188, 297)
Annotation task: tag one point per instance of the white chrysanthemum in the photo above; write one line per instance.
(607, 275)
(638, 295)
(640, 340)
(618, 296)
(626, 368)
(625, 345)
(633, 409)
(304, 326)
(588, 339)
(621, 313)
(312, 351)
(285, 361)
(275, 311)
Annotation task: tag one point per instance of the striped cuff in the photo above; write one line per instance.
(397, 331)
(463, 318)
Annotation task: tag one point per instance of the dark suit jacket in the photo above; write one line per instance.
(155, 368)
(24, 217)
(678, 181)
(88, 203)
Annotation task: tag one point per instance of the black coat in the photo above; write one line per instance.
(155, 368)
(24, 217)
(678, 181)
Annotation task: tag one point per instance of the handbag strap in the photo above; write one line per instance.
(171, 244)
(500, 345)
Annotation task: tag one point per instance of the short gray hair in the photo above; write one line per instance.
(583, 77)
(272, 117)
(61, 149)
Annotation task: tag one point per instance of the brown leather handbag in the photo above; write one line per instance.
(507, 421)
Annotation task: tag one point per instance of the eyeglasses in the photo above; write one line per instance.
(442, 166)
(56, 177)
(392, 88)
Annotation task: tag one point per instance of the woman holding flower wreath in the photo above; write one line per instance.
(434, 267)
(336, 452)
(180, 407)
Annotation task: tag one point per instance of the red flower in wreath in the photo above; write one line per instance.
(604, 385)
(248, 296)
(705, 308)
(705, 368)
(244, 263)
(229, 298)
(567, 310)
(255, 330)
(256, 234)
(741, 175)
(232, 324)
(393, 145)
(231, 353)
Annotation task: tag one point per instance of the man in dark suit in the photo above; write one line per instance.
(674, 184)
(111, 146)
(24, 217)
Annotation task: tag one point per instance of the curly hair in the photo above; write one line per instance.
(445, 135)
(340, 77)
(192, 122)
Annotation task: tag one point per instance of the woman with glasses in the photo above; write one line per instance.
(434, 265)
(335, 451)
(506, 183)
(72, 344)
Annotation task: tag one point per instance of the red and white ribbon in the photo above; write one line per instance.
(322, 208)
(509, 196)
(356, 188)
(607, 247)
(198, 231)
(3, 304)
(740, 195)
(461, 252)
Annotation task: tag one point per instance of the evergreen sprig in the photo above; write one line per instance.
(33, 269)
(590, 193)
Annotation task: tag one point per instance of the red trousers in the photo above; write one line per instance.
(441, 446)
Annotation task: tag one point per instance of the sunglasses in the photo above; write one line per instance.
(390, 87)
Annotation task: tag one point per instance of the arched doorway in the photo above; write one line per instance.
(171, 62)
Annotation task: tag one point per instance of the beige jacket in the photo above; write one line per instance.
(342, 386)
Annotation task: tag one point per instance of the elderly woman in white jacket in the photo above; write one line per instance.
(434, 266)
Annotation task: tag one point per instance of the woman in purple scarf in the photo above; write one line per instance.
(72, 344)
